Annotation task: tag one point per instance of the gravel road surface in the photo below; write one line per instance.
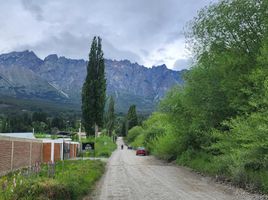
(131, 177)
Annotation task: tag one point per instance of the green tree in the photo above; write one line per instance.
(5, 125)
(232, 24)
(132, 119)
(226, 39)
(94, 89)
(110, 116)
(57, 122)
(39, 117)
(123, 129)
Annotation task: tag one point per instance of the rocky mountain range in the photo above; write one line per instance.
(58, 79)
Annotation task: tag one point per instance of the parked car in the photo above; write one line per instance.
(141, 151)
(129, 147)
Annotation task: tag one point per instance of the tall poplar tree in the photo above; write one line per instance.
(123, 129)
(94, 89)
(132, 119)
(110, 116)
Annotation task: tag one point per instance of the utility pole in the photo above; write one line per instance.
(79, 133)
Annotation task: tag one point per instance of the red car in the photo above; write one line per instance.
(141, 151)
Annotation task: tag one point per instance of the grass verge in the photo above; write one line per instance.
(104, 146)
(72, 180)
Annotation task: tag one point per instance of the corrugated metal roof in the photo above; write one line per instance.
(19, 135)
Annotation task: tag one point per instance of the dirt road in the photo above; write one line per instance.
(131, 177)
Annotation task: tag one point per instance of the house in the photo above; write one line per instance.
(83, 135)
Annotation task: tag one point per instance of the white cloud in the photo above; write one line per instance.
(147, 32)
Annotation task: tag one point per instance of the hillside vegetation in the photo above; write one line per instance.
(217, 123)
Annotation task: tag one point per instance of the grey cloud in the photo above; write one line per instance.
(72, 46)
(33, 8)
(160, 50)
(114, 53)
(65, 44)
(130, 29)
(182, 64)
(144, 52)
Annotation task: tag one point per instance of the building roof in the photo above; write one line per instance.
(28, 135)
(60, 140)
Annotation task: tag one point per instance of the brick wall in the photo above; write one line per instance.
(21, 156)
(57, 151)
(17, 153)
(46, 152)
(75, 150)
(71, 150)
(37, 151)
(5, 155)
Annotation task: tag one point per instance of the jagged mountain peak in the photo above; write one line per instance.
(129, 82)
(21, 58)
(163, 66)
(51, 58)
(19, 55)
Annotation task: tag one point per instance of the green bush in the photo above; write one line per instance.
(199, 161)
(138, 142)
(104, 146)
(133, 133)
(166, 147)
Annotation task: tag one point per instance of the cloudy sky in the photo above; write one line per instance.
(149, 32)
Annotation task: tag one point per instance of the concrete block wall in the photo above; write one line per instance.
(57, 152)
(72, 150)
(17, 153)
(21, 155)
(46, 152)
(5, 156)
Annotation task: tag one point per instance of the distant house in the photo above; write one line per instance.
(63, 133)
(84, 135)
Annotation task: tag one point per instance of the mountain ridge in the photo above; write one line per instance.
(63, 78)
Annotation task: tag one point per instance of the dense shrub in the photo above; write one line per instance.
(134, 133)
(138, 142)
(166, 147)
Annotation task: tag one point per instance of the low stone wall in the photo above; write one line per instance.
(17, 153)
